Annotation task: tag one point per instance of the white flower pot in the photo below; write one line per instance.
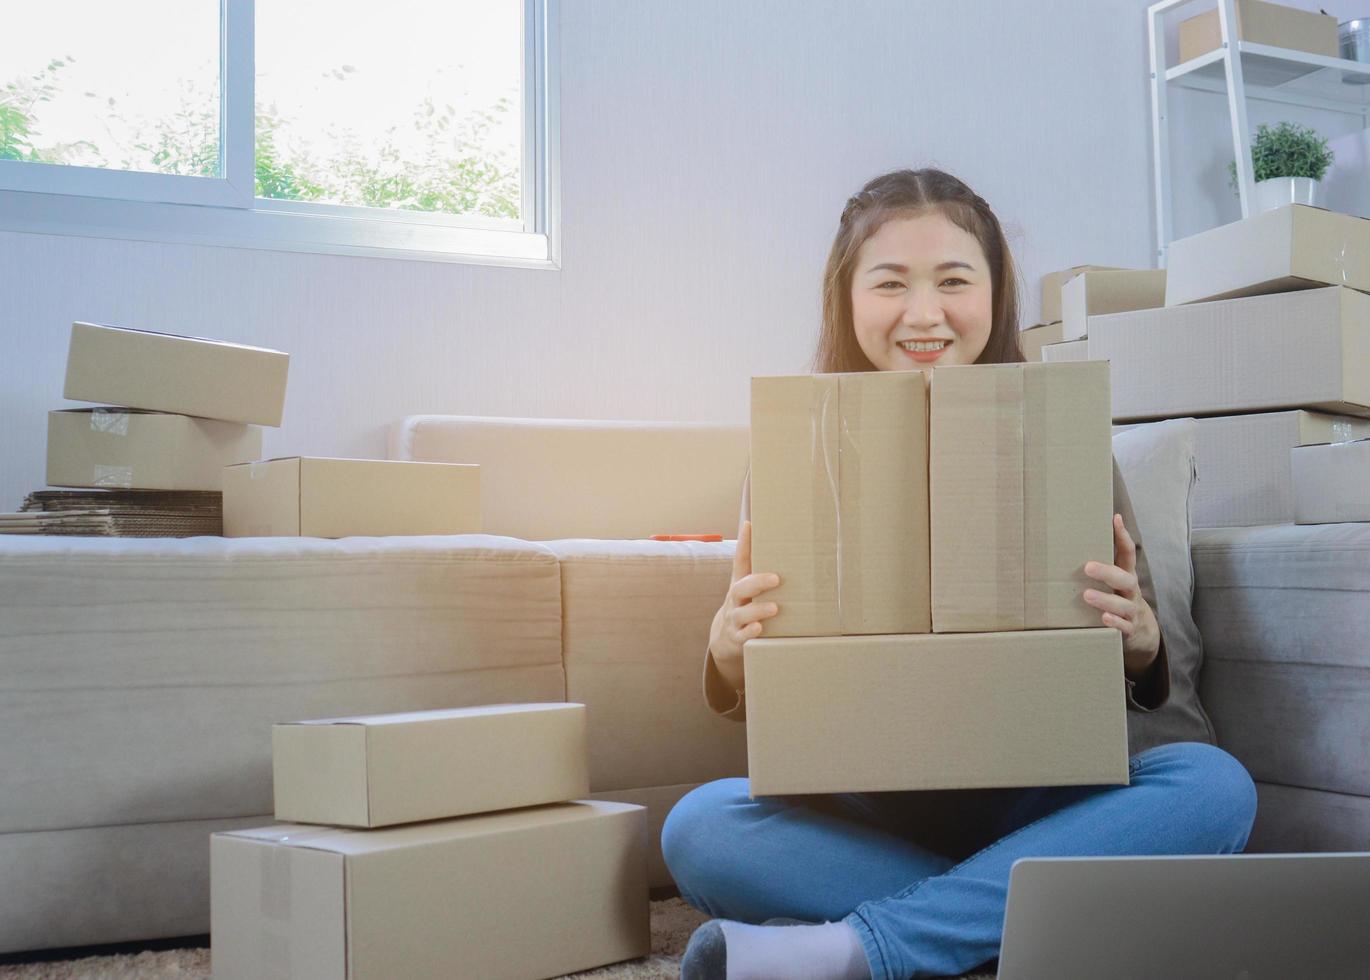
(1277, 191)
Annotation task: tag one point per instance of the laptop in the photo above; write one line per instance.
(1234, 917)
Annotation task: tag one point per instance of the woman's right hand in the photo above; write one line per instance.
(740, 618)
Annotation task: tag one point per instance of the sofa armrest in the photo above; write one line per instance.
(636, 617)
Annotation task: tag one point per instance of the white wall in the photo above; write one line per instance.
(707, 149)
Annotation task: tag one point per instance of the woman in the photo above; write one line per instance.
(894, 885)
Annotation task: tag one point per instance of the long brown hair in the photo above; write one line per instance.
(900, 194)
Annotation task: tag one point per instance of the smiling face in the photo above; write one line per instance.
(921, 294)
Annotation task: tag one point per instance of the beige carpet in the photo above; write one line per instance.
(672, 923)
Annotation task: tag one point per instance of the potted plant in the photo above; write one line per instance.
(1287, 163)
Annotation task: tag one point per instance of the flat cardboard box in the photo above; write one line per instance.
(314, 497)
(1331, 482)
(535, 892)
(974, 710)
(839, 501)
(1273, 24)
(162, 372)
(131, 449)
(1033, 339)
(379, 770)
(1108, 291)
(1306, 349)
(1243, 463)
(1052, 283)
(1021, 473)
(1287, 248)
(1068, 350)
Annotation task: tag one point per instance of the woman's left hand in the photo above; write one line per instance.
(1122, 605)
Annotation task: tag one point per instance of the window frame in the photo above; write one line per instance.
(103, 203)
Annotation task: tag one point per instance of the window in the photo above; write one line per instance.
(410, 129)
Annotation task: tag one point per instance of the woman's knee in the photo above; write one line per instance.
(694, 830)
(1223, 791)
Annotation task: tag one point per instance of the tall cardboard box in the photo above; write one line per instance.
(1305, 349)
(1243, 463)
(1276, 25)
(1332, 482)
(974, 710)
(1052, 283)
(1032, 340)
(839, 501)
(1021, 475)
(534, 892)
(1108, 291)
(380, 770)
(1287, 248)
(131, 449)
(162, 372)
(310, 496)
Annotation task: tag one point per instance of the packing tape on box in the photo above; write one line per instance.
(1341, 431)
(829, 420)
(112, 476)
(850, 581)
(1010, 577)
(112, 421)
(274, 911)
(257, 468)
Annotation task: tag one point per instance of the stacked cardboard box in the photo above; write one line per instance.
(187, 407)
(1266, 337)
(337, 498)
(1071, 296)
(176, 411)
(930, 532)
(188, 420)
(434, 844)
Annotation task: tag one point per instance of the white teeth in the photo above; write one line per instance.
(923, 345)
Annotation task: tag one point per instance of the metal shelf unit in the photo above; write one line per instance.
(1258, 71)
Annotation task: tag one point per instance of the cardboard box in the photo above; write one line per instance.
(1288, 248)
(1021, 471)
(1108, 291)
(127, 448)
(1306, 349)
(1331, 482)
(1243, 463)
(839, 501)
(1052, 283)
(1262, 23)
(1069, 350)
(878, 713)
(1033, 339)
(536, 892)
(378, 770)
(162, 372)
(315, 497)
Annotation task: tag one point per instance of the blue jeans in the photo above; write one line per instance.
(923, 876)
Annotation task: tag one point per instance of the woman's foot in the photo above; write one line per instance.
(721, 949)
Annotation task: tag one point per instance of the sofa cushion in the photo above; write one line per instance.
(545, 479)
(141, 677)
(1291, 820)
(636, 616)
(1157, 465)
(1284, 610)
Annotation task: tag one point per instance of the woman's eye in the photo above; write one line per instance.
(955, 280)
(892, 282)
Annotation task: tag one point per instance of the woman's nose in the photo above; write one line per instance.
(923, 309)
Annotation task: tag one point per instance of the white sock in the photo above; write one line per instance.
(830, 951)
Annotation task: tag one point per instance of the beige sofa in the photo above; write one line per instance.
(140, 678)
